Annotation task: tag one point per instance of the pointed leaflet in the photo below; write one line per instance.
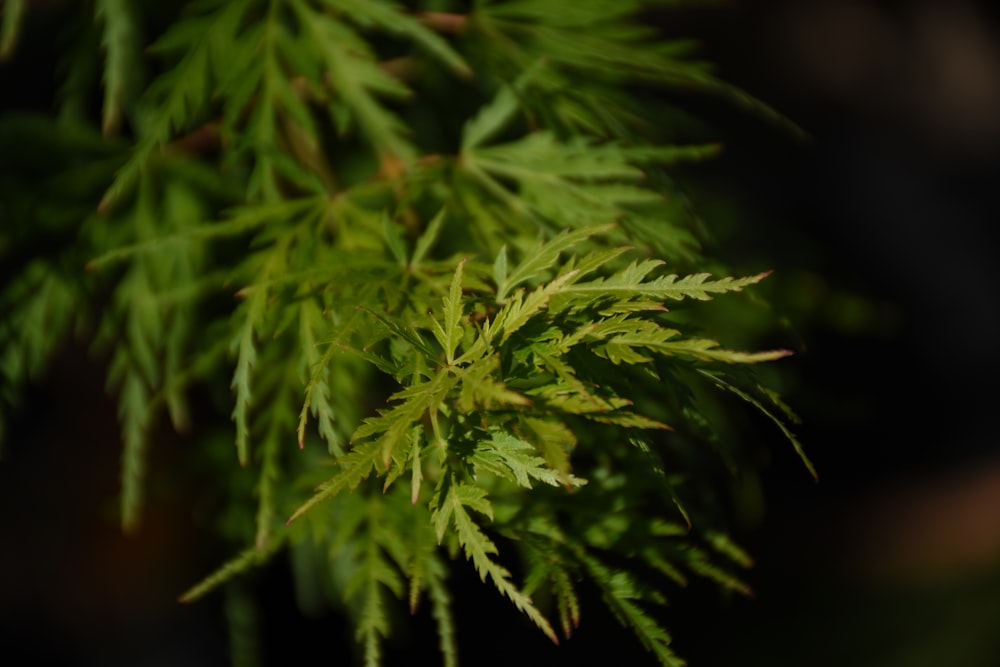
(390, 429)
(478, 546)
(240, 563)
(404, 333)
(506, 455)
(629, 283)
(541, 158)
(673, 154)
(623, 335)
(450, 335)
(136, 364)
(458, 495)
(391, 17)
(356, 466)
(491, 119)
(355, 78)
(373, 574)
(721, 543)
(620, 593)
(544, 257)
(121, 53)
(316, 372)
(428, 238)
(428, 573)
(275, 425)
(496, 114)
(656, 466)
(416, 471)
(239, 221)
(133, 412)
(393, 235)
(520, 309)
(567, 602)
(480, 390)
(10, 30)
(547, 565)
(554, 440)
(318, 388)
(500, 267)
(437, 591)
(770, 415)
(392, 426)
(184, 90)
(246, 358)
(709, 350)
(698, 561)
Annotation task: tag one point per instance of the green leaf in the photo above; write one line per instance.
(543, 258)
(510, 457)
(554, 440)
(450, 334)
(392, 426)
(428, 238)
(630, 283)
(10, 29)
(278, 424)
(709, 350)
(540, 157)
(316, 367)
(133, 412)
(121, 51)
(460, 495)
(490, 120)
(184, 90)
(356, 466)
(320, 159)
(770, 415)
(481, 391)
(394, 239)
(441, 609)
(246, 358)
(390, 16)
(499, 112)
(405, 333)
(417, 475)
(478, 547)
(518, 310)
(548, 566)
(621, 592)
(244, 561)
(500, 267)
(374, 573)
(356, 79)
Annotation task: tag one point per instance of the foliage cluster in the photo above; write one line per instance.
(436, 252)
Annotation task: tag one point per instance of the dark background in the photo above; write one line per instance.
(880, 230)
(888, 215)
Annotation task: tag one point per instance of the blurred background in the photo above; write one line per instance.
(879, 227)
(881, 230)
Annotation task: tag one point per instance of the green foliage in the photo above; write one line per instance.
(448, 245)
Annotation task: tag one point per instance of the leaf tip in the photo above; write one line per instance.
(107, 201)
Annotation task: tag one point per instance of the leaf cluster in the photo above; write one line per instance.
(432, 263)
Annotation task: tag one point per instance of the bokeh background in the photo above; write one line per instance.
(880, 230)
